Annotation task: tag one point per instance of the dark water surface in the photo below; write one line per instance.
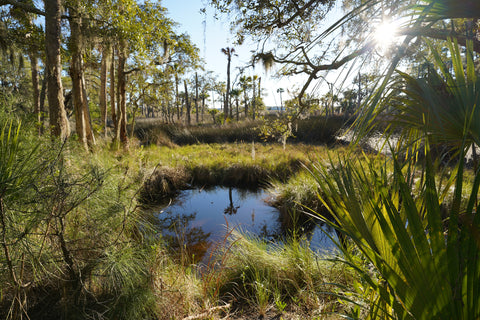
(198, 220)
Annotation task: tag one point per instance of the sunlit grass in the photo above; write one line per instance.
(242, 165)
(289, 276)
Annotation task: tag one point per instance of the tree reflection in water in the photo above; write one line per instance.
(231, 209)
(185, 240)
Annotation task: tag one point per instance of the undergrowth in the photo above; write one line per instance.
(286, 276)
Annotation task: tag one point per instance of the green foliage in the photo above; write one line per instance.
(442, 105)
(266, 18)
(69, 236)
(260, 274)
(16, 90)
(425, 263)
(423, 248)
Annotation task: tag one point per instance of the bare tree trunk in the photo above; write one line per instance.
(253, 101)
(75, 74)
(176, 97)
(134, 115)
(59, 124)
(228, 52)
(35, 85)
(122, 106)
(43, 93)
(86, 114)
(203, 106)
(196, 97)
(82, 114)
(187, 103)
(236, 101)
(112, 92)
(103, 87)
(245, 97)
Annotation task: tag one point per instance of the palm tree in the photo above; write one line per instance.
(228, 52)
(280, 91)
(235, 93)
(245, 83)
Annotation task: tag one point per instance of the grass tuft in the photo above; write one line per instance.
(261, 275)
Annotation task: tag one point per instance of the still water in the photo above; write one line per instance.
(199, 219)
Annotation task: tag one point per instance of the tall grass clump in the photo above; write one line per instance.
(178, 289)
(288, 276)
(320, 130)
(419, 233)
(314, 130)
(169, 134)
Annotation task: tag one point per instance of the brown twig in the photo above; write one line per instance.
(208, 313)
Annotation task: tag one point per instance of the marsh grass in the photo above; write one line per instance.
(291, 276)
(154, 132)
(315, 130)
(178, 289)
(230, 165)
(320, 130)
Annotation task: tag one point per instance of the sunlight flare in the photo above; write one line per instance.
(385, 34)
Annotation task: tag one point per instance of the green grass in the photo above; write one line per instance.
(236, 164)
(288, 276)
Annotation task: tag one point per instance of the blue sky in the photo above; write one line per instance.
(217, 36)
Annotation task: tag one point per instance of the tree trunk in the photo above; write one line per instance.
(103, 87)
(176, 97)
(196, 97)
(187, 103)
(112, 93)
(43, 93)
(245, 96)
(59, 124)
(227, 94)
(82, 117)
(134, 115)
(36, 91)
(253, 101)
(86, 113)
(76, 74)
(236, 101)
(122, 106)
(203, 106)
(213, 98)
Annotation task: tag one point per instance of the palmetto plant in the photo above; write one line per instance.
(420, 236)
(442, 106)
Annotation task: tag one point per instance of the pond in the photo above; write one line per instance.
(198, 220)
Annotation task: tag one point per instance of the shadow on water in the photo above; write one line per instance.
(199, 219)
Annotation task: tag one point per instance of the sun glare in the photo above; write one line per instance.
(385, 34)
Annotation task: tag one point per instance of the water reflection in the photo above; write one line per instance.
(232, 209)
(182, 236)
(200, 219)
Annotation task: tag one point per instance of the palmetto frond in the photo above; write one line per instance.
(425, 249)
(442, 106)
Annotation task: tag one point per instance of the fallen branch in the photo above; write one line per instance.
(208, 312)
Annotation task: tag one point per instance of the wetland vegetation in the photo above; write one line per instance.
(86, 227)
